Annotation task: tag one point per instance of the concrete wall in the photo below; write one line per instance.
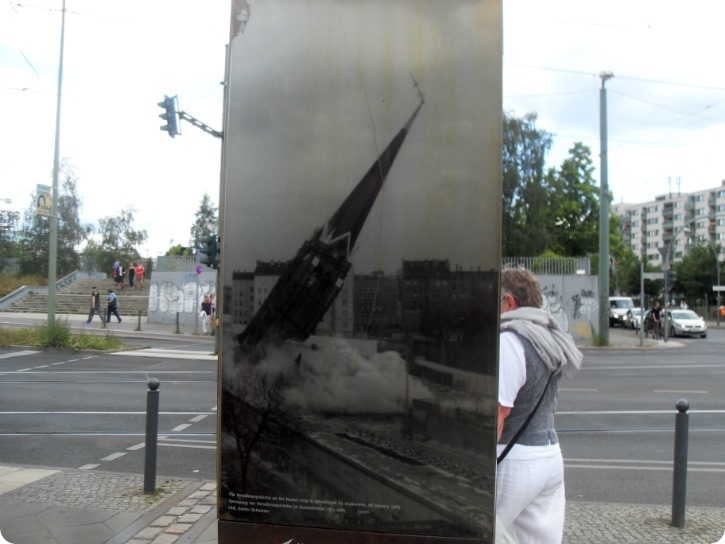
(574, 303)
(182, 292)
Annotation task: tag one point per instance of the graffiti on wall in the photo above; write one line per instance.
(554, 304)
(578, 317)
(184, 296)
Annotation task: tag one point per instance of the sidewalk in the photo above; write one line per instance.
(71, 506)
(129, 327)
(62, 506)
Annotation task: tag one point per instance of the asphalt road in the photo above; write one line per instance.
(616, 421)
(89, 410)
(616, 417)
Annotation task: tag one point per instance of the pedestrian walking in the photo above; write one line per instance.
(95, 305)
(112, 306)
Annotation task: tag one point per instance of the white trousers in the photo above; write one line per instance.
(204, 318)
(530, 500)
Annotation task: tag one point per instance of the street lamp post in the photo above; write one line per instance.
(603, 216)
(53, 242)
(665, 268)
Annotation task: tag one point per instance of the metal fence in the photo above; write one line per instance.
(177, 263)
(553, 266)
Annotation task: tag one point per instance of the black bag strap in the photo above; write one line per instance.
(521, 430)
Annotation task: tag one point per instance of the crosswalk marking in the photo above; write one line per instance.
(169, 353)
(18, 354)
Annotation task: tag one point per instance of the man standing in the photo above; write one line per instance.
(112, 306)
(656, 323)
(95, 305)
(535, 352)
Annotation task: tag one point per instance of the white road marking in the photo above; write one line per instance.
(620, 467)
(197, 419)
(17, 354)
(186, 441)
(181, 427)
(680, 392)
(114, 456)
(88, 467)
(192, 446)
(169, 353)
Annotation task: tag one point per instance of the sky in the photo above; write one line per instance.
(666, 101)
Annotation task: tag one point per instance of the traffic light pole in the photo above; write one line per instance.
(198, 124)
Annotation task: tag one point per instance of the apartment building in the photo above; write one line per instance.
(674, 221)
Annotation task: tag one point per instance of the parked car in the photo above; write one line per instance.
(686, 323)
(633, 318)
(618, 307)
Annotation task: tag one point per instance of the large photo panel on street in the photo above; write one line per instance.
(360, 240)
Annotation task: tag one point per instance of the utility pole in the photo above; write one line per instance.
(53, 243)
(603, 215)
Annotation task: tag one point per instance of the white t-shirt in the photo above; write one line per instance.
(512, 369)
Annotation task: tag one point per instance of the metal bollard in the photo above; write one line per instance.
(178, 330)
(138, 326)
(152, 429)
(679, 482)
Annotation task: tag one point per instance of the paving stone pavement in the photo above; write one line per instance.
(92, 507)
(605, 523)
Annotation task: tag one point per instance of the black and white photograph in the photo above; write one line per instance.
(361, 241)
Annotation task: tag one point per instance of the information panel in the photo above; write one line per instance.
(360, 266)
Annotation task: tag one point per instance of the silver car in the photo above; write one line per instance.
(633, 318)
(686, 323)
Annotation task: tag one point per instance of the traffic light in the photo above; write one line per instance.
(210, 251)
(170, 115)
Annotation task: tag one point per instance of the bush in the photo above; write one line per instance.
(59, 336)
(55, 336)
(11, 282)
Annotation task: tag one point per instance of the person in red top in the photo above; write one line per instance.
(139, 274)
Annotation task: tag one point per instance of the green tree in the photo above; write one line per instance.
(525, 192)
(116, 239)
(574, 205)
(205, 223)
(71, 232)
(696, 274)
(9, 247)
(179, 250)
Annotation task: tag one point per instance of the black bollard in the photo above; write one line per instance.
(679, 481)
(138, 326)
(152, 429)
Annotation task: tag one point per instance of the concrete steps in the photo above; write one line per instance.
(75, 299)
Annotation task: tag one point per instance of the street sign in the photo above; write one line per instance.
(718, 287)
(654, 275)
(199, 269)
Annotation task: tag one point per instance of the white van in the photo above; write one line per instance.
(618, 307)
